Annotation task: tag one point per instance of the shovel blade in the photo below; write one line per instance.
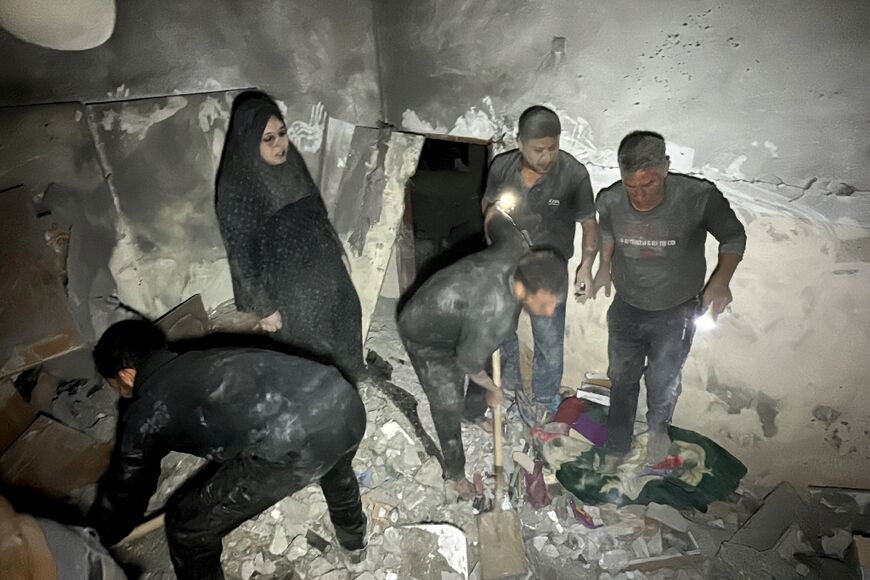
(502, 553)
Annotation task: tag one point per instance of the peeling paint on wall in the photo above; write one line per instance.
(371, 204)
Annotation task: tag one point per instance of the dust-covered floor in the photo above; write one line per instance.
(417, 525)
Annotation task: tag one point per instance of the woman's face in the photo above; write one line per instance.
(274, 143)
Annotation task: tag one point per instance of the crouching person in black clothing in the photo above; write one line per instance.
(269, 423)
(454, 322)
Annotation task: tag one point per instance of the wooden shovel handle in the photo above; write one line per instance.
(143, 529)
(496, 428)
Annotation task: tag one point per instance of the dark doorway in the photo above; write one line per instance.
(443, 222)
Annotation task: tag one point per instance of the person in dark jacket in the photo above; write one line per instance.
(454, 322)
(285, 257)
(269, 423)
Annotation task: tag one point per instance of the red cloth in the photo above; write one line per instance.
(570, 409)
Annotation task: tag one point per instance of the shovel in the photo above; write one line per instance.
(502, 553)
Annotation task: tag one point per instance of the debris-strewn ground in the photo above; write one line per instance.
(402, 487)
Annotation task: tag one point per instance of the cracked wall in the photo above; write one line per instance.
(765, 99)
(301, 52)
(157, 98)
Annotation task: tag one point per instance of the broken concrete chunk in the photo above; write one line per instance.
(837, 544)
(524, 461)
(430, 473)
(279, 542)
(316, 541)
(298, 548)
(247, 569)
(614, 560)
(782, 507)
(263, 565)
(668, 516)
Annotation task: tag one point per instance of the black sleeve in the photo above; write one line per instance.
(127, 486)
(494, 180)
(721, 221)
(605, 225)
(581, 194)
(242, 245)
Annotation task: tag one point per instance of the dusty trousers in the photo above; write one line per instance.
(649, 344)
(548, 335)
(222, 496)
(452, 398)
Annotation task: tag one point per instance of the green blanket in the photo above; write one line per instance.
(708, 473)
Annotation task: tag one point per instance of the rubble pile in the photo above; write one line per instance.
(420, 529)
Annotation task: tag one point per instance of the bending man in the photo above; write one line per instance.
(269, 423)
(459, 317)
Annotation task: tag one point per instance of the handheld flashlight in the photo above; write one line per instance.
(705, 321)
(506, 201)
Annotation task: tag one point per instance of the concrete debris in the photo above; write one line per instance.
(782, 507)
(430, 474)
(668, 516)
(614, 560)
(837, 544)
(279, 543)
(419, 528)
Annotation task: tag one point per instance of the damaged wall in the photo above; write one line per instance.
(773, 90)
(314, 52)
(767, 100)
(160, 154)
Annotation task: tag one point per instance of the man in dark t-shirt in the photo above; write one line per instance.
(455, 321)
(546, 191)
(653, 229)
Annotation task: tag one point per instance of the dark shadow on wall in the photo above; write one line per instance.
(444, 221)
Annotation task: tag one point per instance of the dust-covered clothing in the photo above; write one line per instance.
(270, 424)
(283, 252)
(467, 309)
(248, 191)
(451, 326)
(306, 278)
(658, 257)
(652, 344)
(549, 210)
(658, 272)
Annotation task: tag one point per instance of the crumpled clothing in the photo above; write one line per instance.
(708, 473)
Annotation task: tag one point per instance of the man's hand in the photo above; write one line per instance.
(493, 391)
(602, 280)
(272, 323)
(716, 297)
(583, 283)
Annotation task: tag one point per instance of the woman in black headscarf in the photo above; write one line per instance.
(285, 257)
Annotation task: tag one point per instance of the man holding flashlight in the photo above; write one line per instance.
(546, 191)
(653, 228)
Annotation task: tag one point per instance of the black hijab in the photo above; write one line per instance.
(244, 178)
(249, 191)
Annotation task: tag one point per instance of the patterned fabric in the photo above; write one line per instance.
(249, 191)
(283, 252)
(705, 473)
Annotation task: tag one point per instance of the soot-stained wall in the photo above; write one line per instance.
(767, 99)
(157, 98)
(772, 90)
(317, 51)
